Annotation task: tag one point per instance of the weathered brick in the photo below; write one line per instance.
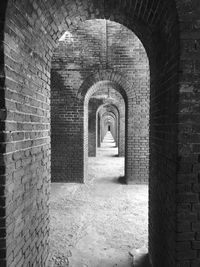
(196, 245)
(186, 236)
(196, 226)
(187, 254)
(182, 246)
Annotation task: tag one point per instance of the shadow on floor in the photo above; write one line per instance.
(121, 180)
(111, 156)
(114, 156)
(142, 261)
(115, 180)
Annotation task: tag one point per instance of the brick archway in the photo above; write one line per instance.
(110, 77)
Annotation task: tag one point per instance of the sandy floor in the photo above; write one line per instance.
(97, 224)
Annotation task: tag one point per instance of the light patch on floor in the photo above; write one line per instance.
(98, 223)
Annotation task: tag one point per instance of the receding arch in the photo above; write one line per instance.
(104, 78)
(109, 119)
(117, 110)
(85, 94)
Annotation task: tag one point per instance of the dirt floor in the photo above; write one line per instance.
(99, 223)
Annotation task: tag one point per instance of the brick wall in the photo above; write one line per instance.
(66, 133)
(163, 146)
(3, 161)
(188, 180)
(92, 126)
(98, 130)
(27, 139)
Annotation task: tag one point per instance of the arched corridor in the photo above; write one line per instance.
(98, 61)
(44, 101)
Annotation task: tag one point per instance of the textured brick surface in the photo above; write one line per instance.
(28, 38)
(92, 125)
(188, 209)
